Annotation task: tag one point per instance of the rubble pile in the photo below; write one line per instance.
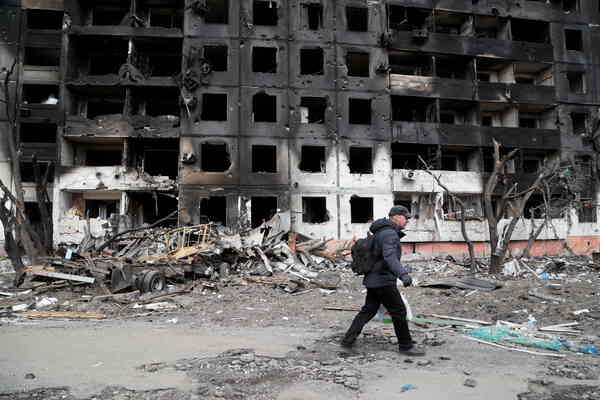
(155, 259)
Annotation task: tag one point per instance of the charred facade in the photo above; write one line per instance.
(234, 110)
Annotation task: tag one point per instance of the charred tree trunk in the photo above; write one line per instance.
(44, 204)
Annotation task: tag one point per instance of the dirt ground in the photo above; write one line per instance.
(255, 341)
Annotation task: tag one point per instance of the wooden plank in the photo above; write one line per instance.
(60, 275)
(460, 319)
(516, 349)
(62, 314)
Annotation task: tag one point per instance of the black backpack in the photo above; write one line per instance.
(363, 256)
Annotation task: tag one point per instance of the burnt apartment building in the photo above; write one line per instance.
(320, 110)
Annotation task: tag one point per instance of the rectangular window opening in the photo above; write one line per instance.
(361, 210)
(215, 157)
(527, 30)
(214, 107)
(314, 16)
(265, 13)
(216, 12)
(576, 82)
(314, 210)
(405, 200)
(357, 19)
(573, 39)
(264, 59)
(44, 19)
(165, 16)
(312, 110)
(216, 56)
(40, 94)
(158, 57)
(42, 56)
(311, 61)
(413, 109)
(312, 159)
(162, 158)
(27, 174)
(107, 157)
(406, 156)
(264, 159)
(359, 111)
(358, 63)
(264, 108)
(30, 132)
(102, 209)
(98, 107)
(570, 6)
(262, 209)
(361, 160)
(579, 123)
(214, 209)
(110, 14)
(405, 63)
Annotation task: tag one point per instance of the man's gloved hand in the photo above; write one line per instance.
(406, 280)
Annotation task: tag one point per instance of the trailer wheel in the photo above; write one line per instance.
(153, 281)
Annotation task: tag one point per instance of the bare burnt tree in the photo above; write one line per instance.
(463, 226)
(512, 197)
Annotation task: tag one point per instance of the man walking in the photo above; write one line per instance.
(381, 281)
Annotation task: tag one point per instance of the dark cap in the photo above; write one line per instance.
(399, 210)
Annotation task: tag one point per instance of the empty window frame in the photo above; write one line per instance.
(216, 12)
(454, 159)
(166, 15)
(312, 16)
(358, 63)
(40, 94)
(106, 157)
(526, 30)
(360, 160)
(262, 209)
(216, 56)
(576, 80)
(264, 108)
(156, 102)
(214, 209)
(587, 210)
(44, 19)
(214, 157)
(158, 57)
(312, 110)
(570, 6)
(27, 174)
(357, 19)
(162, 159)
(106, 54)
(413, 109)
(361, 210)
(214, 107)
(312, 159)
(406, 156)
(402, 18)
(42, 56)
(579, 123)
(405, 63)
(264, 159)
(359, 111)
(110, 13)
(37, 132)
(529, 120)
(102, 209)
(264, 59)
(98, 107)
(573, 39)
(314, 210)
(265, 13)
(311, 61)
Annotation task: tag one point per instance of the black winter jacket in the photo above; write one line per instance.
(387, 248)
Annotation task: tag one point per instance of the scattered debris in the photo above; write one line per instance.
(470, 382)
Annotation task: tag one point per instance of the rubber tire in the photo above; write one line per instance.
(153, 281)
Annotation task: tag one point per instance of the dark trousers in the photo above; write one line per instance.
(390, 297)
